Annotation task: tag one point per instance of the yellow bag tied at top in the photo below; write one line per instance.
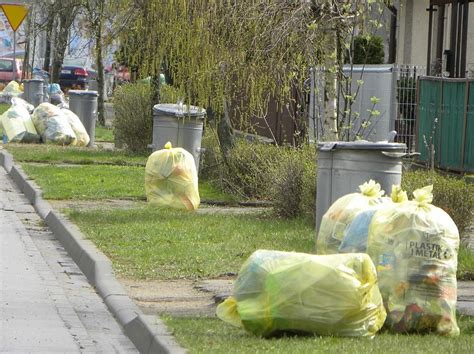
(171, 179)
(414, 247)
(296, 292)
(342, 212)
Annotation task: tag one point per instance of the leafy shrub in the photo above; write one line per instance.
(368, 50)
(284, 175)
(453, 195)
(133, 124)
(293, 189)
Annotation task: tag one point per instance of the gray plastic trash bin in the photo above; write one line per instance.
(344, 166)
(33, 91)
(84, 104)
(181, 125)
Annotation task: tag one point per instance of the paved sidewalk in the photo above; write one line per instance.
(46, 303)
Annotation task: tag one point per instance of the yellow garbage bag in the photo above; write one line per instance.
(13, 88)
(171, 179)
(17, 123)
(414, 247)
(357, 231)
(82, 138)
(342, 212)
(334, 295)
(53, 125)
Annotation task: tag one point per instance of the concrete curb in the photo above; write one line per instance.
(148, 338)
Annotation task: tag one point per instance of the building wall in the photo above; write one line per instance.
(412, 34)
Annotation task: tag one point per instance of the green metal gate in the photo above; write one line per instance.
(445, 123)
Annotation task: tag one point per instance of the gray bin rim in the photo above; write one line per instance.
(360, 145)
(83, 93)
(33, 80)
(173, 109)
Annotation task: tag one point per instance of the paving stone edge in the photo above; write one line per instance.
(147, 337)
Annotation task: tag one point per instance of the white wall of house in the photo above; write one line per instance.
(412, 34)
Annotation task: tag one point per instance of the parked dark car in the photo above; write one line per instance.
(76, 73)
(73, 77)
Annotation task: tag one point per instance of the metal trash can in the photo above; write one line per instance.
(33, 91)
(84, 104)
(343, 166)
(181, 125)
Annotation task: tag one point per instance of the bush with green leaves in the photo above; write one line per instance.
(368, 50)
(453, 194)
(133, 124)
(284, 175)
(293, 189)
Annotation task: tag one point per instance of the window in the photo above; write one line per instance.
(6, 65)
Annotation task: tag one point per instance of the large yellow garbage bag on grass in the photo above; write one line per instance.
(171, 179)
(53, 125)
(17, 123)
(342, 212)
(414, 247)
(82, 138)
(296, 292)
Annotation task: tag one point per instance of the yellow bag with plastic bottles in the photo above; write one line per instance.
(342, 212)
(333, 295)
(357, 231)
(171, 179)
(414, 248)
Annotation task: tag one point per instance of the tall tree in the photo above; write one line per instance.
(65, 13)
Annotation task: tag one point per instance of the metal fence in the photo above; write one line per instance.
(406, 109)
(446, 123)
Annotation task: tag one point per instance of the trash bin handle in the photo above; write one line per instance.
(394, 154)
(328, 147)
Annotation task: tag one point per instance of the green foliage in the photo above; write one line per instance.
(133, 124)
(170, 94)
(465, 263)
(284, 175)
(453, 195)
(293, 191)
(368, 50)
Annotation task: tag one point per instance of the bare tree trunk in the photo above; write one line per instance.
(100, 73)
(49, 35)
(66, 15)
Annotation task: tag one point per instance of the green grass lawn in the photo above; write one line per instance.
(104, 134)
(211, 335)
(69, 154)
(153, 243)
(95, 182)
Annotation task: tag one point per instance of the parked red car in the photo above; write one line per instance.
(7, 72)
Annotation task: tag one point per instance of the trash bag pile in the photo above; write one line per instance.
(296, 292)
(46, 123)
(414, 248)
(171, 179)
(393, 265)
(413, 245)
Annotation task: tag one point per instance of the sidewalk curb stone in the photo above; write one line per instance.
(97, 268)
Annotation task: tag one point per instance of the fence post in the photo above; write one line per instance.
(464, 126)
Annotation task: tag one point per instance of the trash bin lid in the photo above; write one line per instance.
(33, 80)
(360, 145)
(172, 109)
(83, 93)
